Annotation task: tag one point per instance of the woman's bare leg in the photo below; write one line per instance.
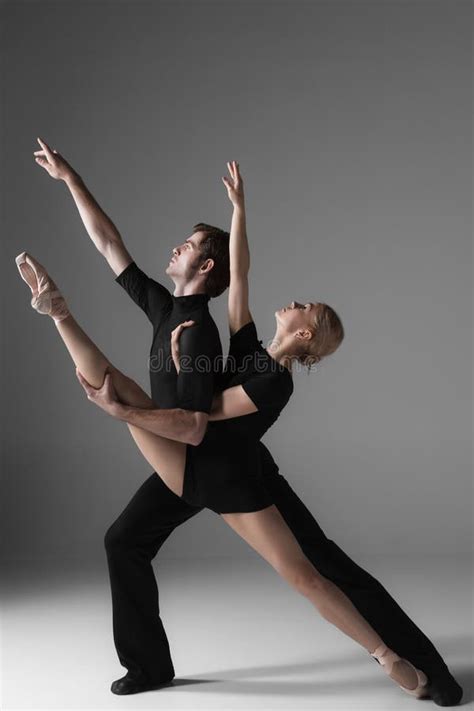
(166, 456)
(268, 533)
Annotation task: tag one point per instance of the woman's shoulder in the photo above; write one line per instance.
(247, 330)
(245, 339)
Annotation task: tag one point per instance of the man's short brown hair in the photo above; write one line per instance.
(215, 246)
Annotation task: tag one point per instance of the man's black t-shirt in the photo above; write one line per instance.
(201, 369)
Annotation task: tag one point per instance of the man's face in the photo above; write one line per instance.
(186, 258)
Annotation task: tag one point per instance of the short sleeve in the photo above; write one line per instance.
(151, 296)
(245, 337)
(269, 390)
(200, 368)
(243, 342)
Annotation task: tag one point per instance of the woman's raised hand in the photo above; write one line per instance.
(52, 162)
(175, 334)
(235, 186)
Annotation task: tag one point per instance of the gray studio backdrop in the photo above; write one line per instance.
(351, 123)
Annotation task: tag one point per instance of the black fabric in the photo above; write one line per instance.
(366, 593)
(151, 296)
(134, 539)
(138, 533)
(267, 383)
(131, 543)
(224, 472)
(200, 345)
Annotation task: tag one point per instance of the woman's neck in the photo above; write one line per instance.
(278, 349)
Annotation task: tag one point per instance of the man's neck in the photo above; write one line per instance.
(188, 289)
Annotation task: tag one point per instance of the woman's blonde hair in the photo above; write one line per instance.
(329, 334)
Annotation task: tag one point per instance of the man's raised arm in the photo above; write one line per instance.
(99, 226)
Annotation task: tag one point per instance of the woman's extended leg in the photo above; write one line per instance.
(166, 456)
(267, 532)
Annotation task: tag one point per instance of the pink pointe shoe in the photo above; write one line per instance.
(46, 299)
(387, 658)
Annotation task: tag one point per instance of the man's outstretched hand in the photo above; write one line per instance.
(53, 162)
(105, 396)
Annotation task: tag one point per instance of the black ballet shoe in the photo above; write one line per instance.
(444, 690)
(126, 685)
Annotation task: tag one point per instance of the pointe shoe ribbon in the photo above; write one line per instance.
(42, 287)
(387, 658)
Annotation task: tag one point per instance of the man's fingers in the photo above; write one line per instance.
(79, 376)
(82, 379)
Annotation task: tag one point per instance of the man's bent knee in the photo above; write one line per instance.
(114, 537)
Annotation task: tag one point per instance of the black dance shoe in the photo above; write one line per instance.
(444, 689)
(127, 685)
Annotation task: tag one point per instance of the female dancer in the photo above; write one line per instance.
(304, 334)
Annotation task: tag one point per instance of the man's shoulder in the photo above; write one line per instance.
(204, 332)
(204, 319)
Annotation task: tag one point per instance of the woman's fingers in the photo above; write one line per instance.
(185, 324)
(46, 149)
(42, 161)
(233, 168)
(176, 331)
(43, 153)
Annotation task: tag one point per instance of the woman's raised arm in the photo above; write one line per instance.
(239, 255)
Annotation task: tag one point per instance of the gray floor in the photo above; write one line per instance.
(239, 635)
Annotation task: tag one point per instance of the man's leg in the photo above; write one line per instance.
(131, 543)
(366, 593)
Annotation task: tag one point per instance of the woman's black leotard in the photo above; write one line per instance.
(224, 472)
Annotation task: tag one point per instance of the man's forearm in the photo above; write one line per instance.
(174, 424)
(100, 227)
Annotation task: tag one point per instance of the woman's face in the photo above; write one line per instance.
(296, 315)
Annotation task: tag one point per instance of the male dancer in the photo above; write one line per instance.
(200, 270)
(150, 517)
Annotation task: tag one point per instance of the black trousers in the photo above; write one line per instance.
(154, 511)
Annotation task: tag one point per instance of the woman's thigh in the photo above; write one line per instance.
(166, 456)
(267, 532)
